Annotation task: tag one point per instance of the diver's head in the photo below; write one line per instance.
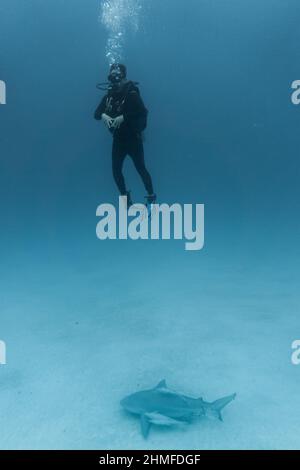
(117, 75)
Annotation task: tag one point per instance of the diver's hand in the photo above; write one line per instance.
(118, 121)
(108, 121)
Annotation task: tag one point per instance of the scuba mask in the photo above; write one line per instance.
(115, 77)
(116, 80)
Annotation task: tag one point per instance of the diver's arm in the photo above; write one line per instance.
(100, 110)
(134, 107)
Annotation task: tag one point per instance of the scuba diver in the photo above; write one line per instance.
(122, 110)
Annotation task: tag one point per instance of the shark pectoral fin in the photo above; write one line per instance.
(145, 425)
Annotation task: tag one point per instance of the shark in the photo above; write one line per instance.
(164, 407)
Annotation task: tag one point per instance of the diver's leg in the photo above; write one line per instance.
(136, 152)
(118, 157)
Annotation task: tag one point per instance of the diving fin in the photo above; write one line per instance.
(150, 200)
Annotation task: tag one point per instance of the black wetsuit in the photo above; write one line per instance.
(127, 140)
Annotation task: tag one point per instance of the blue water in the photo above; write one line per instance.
(87, 322)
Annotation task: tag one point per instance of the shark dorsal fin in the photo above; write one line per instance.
(161, 384)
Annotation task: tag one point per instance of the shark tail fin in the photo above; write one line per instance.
(218, 405)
